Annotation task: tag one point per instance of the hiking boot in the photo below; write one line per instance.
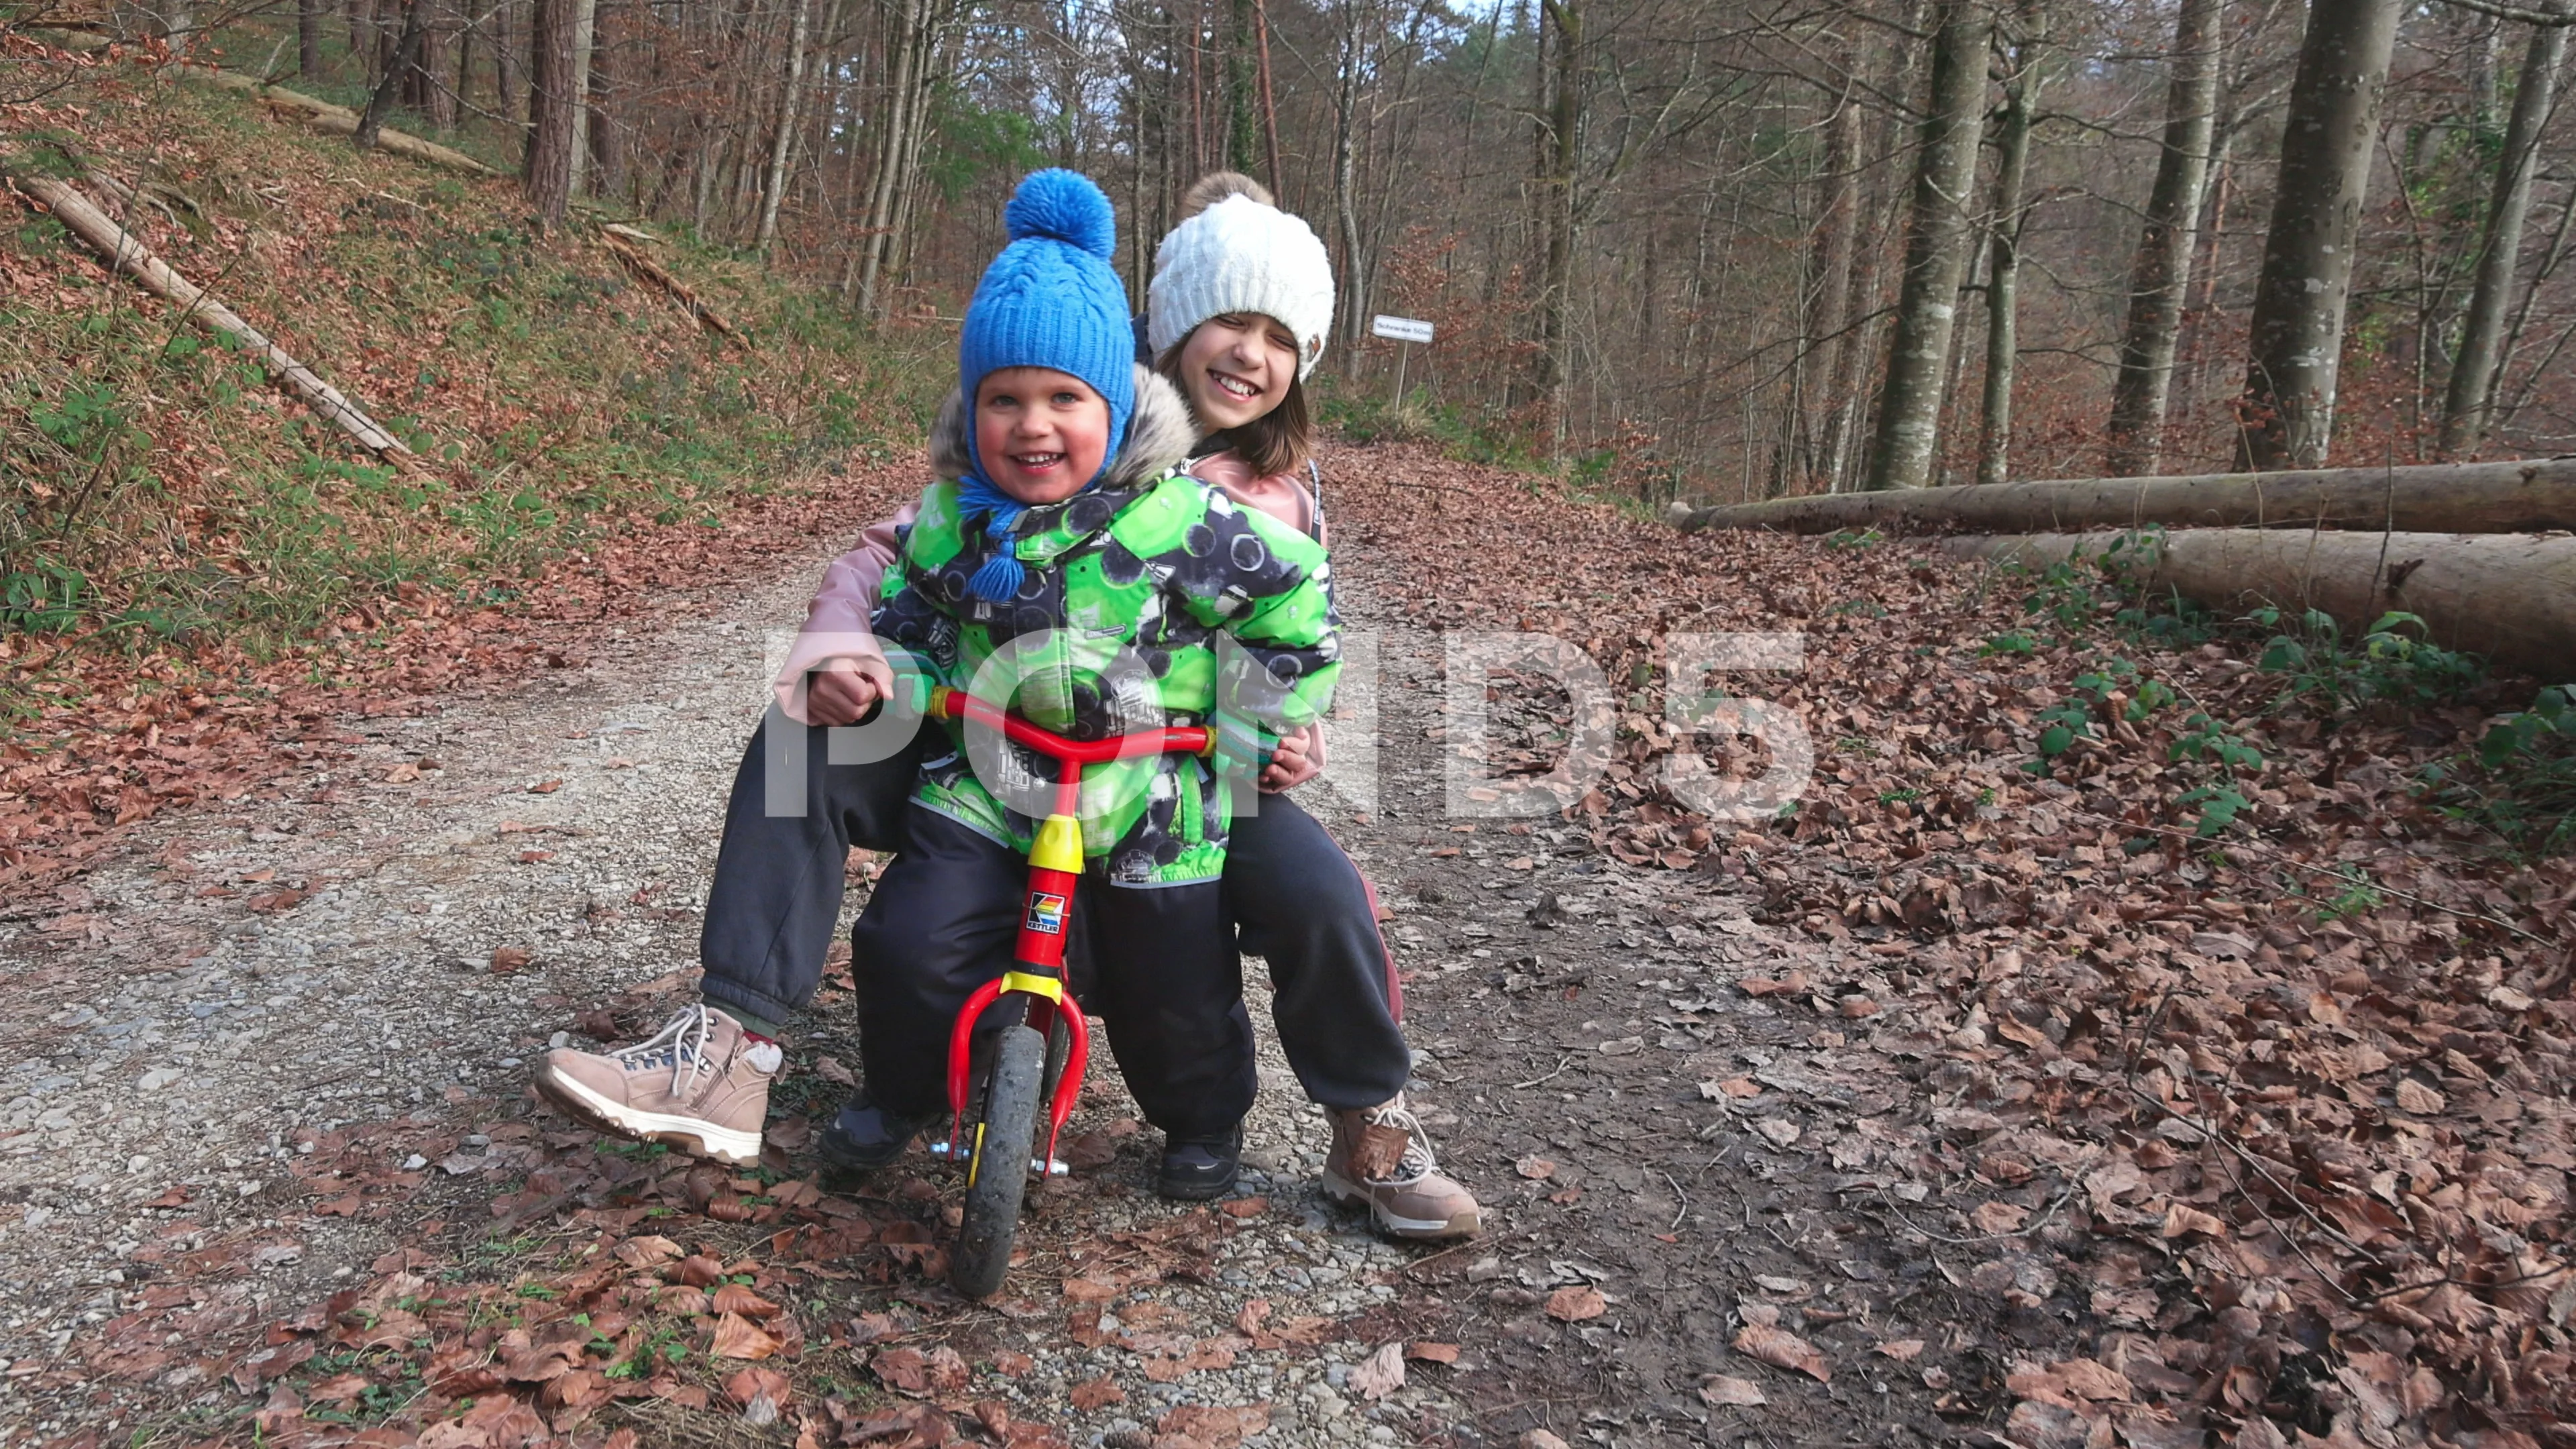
(1382, 1158)
(866, 1137)
(1196, 1169)
(700, 1084)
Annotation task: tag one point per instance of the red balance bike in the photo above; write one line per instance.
(994, 1103)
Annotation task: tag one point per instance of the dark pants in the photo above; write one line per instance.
(944, 920)
(1299, 902)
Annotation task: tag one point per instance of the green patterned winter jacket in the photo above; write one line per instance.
(1149, 600)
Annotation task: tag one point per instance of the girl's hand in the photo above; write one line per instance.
(845, 691)
(1291, 764)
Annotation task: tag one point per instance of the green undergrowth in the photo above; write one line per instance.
(158, 488)
(2517, 782)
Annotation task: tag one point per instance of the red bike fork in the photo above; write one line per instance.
(1055, 868)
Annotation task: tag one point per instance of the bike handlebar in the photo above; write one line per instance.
(947, 703)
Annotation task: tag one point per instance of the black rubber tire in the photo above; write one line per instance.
(1001, 1168)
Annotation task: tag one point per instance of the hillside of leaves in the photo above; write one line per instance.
(191, 562)
(2209, 937)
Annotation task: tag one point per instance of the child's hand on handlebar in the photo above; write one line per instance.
(1292, 762)
(846, 691)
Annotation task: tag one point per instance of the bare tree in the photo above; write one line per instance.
(553, 105)
(2022, 82)
(585, 39)
(1832, 248)
(1936, 250)
(2296, 342)
(371, 123)
(2160, 278)
(774, 186)
(1560, 142)
(2469, 403)
(308, 37)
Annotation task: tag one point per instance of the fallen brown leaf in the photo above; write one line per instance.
(1575, 1304)
(1780, 1348)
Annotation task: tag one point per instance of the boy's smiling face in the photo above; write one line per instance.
(1040, 434)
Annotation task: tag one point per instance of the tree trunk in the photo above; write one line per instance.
(2003, 274)
(467, 29)
(2439, 497)
(1829, 306)
(607, 141)
(428, 70)
(585, 39)
(1560, 148)
(1346, 217)
(507, 73)
(406, 60)
(2469, 403)
(2508, 596)
(308, 38)
(774, 186)
(2296, 336)
(904, 58)
(2160, 278)
(1936, 251)
(553, 106)
(1269, 102)
(1857, 348)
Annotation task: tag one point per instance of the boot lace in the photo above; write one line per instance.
(681, 1043)
(1417, 1162)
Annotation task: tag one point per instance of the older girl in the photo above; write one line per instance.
(1240, 305)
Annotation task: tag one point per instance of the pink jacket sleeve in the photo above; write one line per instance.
(1285, 499)
(836, 621)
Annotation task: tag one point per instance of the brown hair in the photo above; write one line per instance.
(1278, 441)
(1216, 186)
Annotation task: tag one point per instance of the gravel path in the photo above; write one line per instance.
(293, 964)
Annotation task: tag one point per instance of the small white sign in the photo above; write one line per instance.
(1402, 329)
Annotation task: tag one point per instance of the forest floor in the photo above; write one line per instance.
(1963, 1102)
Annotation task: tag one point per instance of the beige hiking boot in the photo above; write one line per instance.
(699, 1084)
(1382, 1157)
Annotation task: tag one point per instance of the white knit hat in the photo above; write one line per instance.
(1241, 256)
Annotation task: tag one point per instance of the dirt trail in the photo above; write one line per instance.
(272, 1058)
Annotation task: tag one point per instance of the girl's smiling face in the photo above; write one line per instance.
(1040, 434)
(1236, 367)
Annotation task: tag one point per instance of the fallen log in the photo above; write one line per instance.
(321, 115)
(2506, 497)
(615, 238)
(2510, 597)
(128, 255)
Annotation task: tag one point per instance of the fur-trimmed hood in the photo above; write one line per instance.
(1160, 434)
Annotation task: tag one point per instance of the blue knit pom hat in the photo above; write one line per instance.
(1051, 299)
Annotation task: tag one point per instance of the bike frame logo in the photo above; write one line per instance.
(1711, 705)
(1046, 913)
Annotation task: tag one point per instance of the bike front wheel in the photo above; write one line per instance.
(997, 1174)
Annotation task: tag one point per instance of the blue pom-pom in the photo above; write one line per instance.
(1066, 206)
(998, 580)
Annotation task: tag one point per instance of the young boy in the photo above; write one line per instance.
(1105, 580)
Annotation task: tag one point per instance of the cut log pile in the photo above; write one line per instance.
(2481, 552)
(2506, 497)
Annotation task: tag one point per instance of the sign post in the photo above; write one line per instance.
(1406, 331)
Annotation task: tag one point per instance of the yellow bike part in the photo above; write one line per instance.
(1058, 845)
(1050, 987)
